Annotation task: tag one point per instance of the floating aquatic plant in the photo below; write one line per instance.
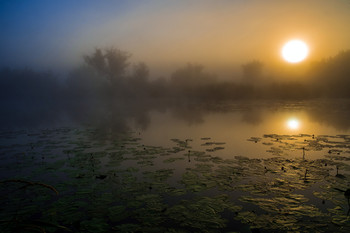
(122, 185)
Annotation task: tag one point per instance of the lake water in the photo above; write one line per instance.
(235, 123)
(185, 167)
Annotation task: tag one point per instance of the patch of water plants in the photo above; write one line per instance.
(70, 180)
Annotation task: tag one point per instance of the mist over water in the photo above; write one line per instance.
(117, 142)
(113, 95)
(109, 88)
(174, 116)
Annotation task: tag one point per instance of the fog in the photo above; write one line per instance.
(93, 60)
(220, 35)
(174, 116)
(108, 89)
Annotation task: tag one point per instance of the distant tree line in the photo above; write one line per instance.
(331, 77)
(108, 76)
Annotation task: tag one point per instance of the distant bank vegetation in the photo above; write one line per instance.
(108, 75)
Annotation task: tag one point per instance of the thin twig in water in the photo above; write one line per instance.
(28, 183)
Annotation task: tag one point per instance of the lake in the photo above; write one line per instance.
(252, 166)
(235, 123)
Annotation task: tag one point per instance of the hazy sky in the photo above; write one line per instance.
(220, 34)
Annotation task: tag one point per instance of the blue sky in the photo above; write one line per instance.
(38, 31)
(164, 33)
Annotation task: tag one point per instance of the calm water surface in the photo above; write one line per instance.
(235, 123)
(214, 167)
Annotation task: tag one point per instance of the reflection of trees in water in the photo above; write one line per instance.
(333, 113)
(119, 116)
(17, 114)
(108, 92)
(191, 114)
(252, 116)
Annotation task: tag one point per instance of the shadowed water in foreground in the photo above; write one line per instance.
(234, 166)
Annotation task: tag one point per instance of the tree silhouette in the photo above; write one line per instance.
(140, 73)
(191, 81)
(137, 83)
(252, 71)
(96, 60)
(117, 62)
(331, 75)
(191, 76)
(111, 64)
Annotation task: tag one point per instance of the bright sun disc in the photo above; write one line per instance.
(293, 124)
(295, 51)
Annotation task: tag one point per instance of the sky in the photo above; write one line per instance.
(166, 34)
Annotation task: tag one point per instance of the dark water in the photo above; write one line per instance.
(215, 167)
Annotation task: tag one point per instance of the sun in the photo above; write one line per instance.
(295, 51)
(293, 124)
